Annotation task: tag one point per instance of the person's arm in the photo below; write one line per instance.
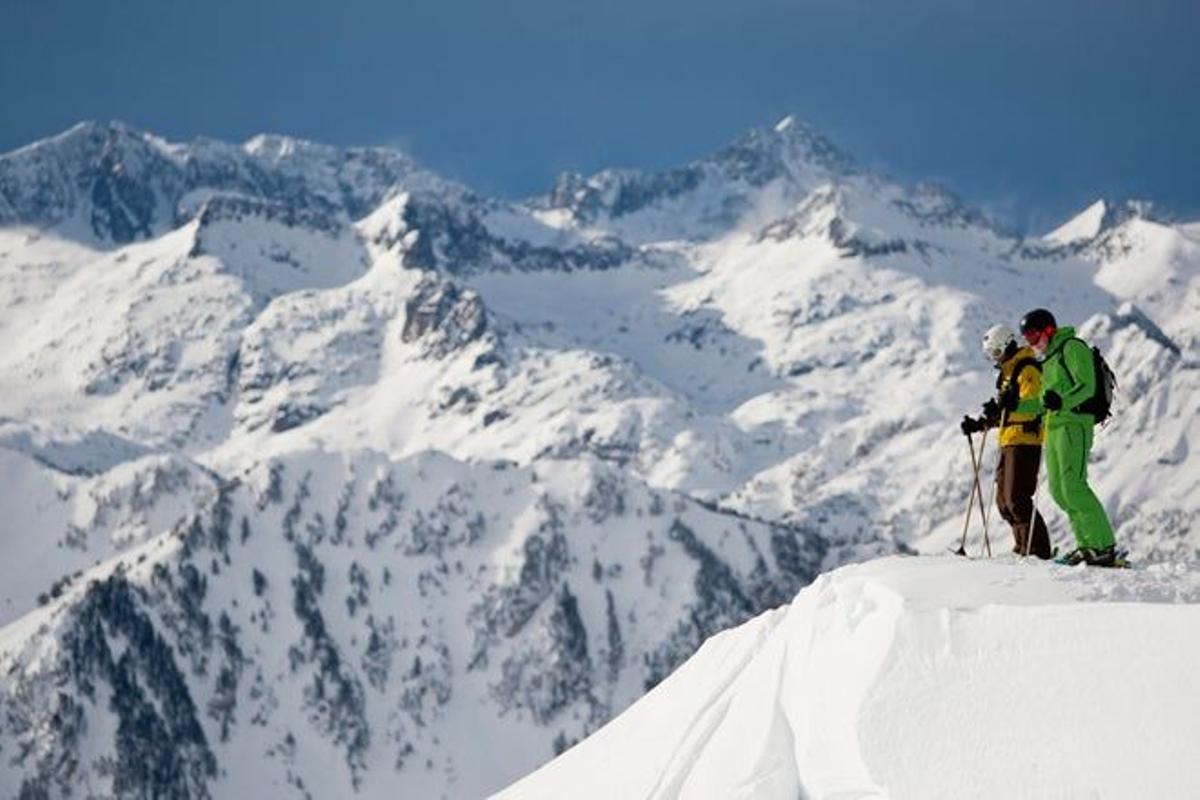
(1031, 398)
(1029, 383)
(1078, 358)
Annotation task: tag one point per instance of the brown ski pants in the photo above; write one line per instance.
(1016, 481)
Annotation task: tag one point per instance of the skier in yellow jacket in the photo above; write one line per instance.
(1019, 377)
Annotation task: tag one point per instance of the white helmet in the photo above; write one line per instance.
(996, 341)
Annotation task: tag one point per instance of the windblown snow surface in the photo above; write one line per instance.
(922, 677)
(321, 475)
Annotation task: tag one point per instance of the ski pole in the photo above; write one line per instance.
(1033, 515)
(962, 545)
(1032, 520)
(979, 491)
(995, 481)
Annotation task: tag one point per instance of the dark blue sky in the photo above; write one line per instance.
(1028, 107)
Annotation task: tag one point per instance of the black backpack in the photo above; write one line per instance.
(1099, 405)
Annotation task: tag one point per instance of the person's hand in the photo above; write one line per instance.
(991, 412)
(1052, 400)
(970, 425)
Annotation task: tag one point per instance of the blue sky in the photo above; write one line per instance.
(1030, 108)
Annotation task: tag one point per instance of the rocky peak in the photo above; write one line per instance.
(107, 175)
(446, 317)
(122, 184)
(90, 141)
(1119, 212)
(1102, 217)
(790, 149)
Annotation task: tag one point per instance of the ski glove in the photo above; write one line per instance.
(970, 425)
(1052, 400)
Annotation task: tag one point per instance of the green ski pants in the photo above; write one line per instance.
(1067, 447)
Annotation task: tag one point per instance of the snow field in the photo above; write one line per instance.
(924, 677)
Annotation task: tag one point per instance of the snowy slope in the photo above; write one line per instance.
(1083, 226)
(922, 678)
(769, 344)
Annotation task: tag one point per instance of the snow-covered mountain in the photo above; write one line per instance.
(326, 473)
(921, 678)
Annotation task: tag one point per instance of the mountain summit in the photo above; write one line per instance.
(110, 183)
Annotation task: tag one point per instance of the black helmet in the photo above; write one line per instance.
(1038, 320)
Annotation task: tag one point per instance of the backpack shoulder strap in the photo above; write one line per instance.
(1062, 355)
(1015, 375)
(1026, 362)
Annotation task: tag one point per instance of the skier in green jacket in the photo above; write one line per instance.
(1068, 379)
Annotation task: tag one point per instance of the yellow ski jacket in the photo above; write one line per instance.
(1021, 428)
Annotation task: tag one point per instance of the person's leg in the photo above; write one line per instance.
(1042, 546)
(1054, 469)
(1004, 487)
(1024, 464)
(1087, 515)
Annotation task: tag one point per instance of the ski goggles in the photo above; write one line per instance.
(1035, 336)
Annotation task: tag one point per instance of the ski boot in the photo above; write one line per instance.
(1092, 556)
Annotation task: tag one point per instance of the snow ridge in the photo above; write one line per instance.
(919, 677)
